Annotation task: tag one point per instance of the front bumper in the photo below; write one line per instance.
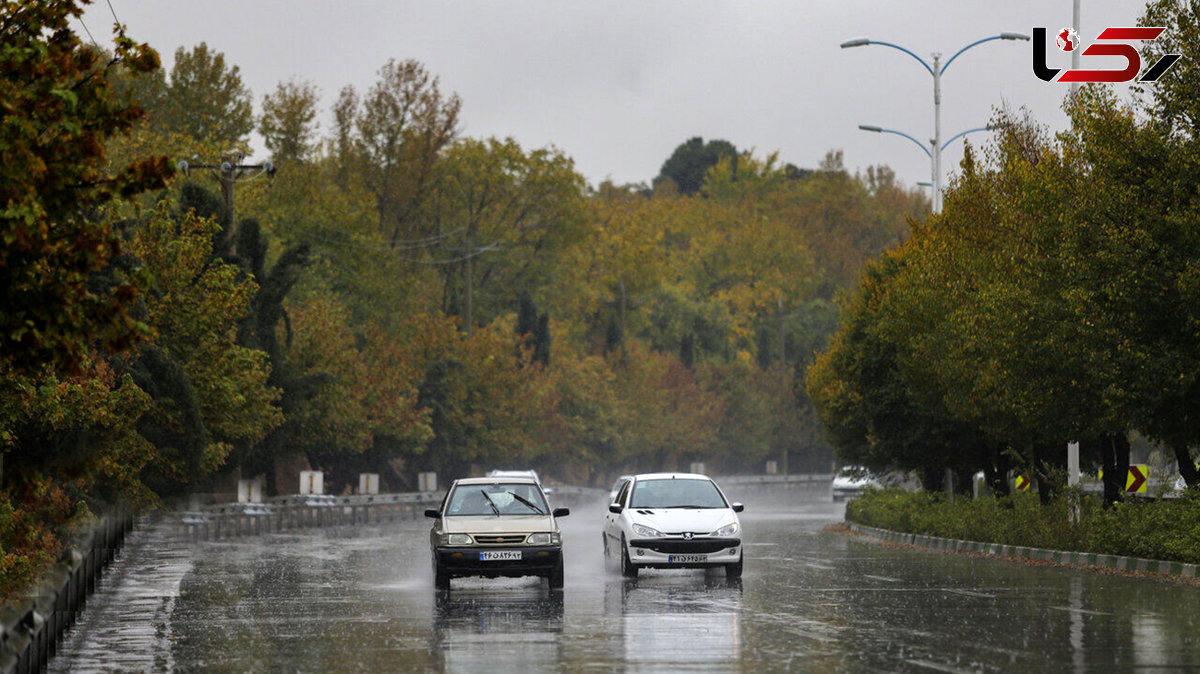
(666, 552)
(465, 561)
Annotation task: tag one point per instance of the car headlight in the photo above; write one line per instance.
(727, 530)
(547, 538)
(643, 530)
(456, 539)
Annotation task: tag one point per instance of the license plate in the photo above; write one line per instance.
(686, 559)
(499, 555)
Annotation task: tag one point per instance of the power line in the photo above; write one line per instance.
(89, 34)
(114, 12)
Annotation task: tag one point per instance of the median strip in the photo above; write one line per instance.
(1116, 562)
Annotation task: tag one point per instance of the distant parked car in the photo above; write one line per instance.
(673, 520)
(851, 480)
(616, 488)
(496, 527)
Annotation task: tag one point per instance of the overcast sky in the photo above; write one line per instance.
(618, 84)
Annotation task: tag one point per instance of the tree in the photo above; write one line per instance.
(58, 290)
(502, 213)
(210, 392)
(691, 160)
(391, 139)
(205, 99)
(288, 123)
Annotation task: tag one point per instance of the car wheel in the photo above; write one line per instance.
(441, 577)
(556, 576)
(628, 568)
(734, 570)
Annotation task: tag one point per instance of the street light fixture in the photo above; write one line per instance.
(936, 69)
(879, 129)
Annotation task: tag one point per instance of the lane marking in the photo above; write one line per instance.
(1072, 609)
(937, 667)
(970, 593)
(882, 578)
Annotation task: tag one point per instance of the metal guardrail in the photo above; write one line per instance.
(286, 513)
(806, 479)
(30, 631)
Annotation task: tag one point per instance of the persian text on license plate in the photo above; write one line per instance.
(499, 555)
(686, 559)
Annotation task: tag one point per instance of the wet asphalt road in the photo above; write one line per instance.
(361, 599)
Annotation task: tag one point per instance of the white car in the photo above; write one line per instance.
(851, 480)
(671, 521)
(532, 474)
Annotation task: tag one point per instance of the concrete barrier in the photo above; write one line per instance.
(778, 489)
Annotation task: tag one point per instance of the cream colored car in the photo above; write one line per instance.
(496, 527)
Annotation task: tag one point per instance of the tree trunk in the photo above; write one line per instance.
(1115, 452)
(1183, 457)
(933, 479)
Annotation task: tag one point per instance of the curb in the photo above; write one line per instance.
(1116, 562)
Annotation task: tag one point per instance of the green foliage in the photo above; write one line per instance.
(57, 288)
(691, 160)
(288, 122)
(389, 141)
(1162, 529)
(203, 99)
(31, 534)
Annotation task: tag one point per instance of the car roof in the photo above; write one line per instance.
(671, 476)
(497, 479)
(512, 473)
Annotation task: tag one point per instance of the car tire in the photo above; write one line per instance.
(734, 570)
(441, 577)
(628, 568)
(555, 576)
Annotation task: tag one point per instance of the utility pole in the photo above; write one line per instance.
(469, 254)
(228, 172)
(783, 372)
(467, 318)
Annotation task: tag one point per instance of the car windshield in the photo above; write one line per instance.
(676, 493)
(517, 498)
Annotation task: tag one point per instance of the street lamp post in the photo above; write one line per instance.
(936, 69)
(937, 149)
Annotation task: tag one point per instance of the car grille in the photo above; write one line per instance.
(508, 539)
(680, 546)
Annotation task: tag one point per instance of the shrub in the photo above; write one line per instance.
(1164, 529)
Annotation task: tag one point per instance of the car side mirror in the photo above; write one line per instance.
(562, 512)
(433, 512)
(614, 508)
(738, 507)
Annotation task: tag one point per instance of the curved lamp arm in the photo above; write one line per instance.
(879, 129)
(1001, 36)
(862, 42)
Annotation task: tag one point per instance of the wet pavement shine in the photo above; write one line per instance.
(810, 600)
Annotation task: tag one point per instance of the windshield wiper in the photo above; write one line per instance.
(490, 501)
(525, 502)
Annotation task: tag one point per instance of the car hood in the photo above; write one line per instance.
(678, 520)
(491, 524)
